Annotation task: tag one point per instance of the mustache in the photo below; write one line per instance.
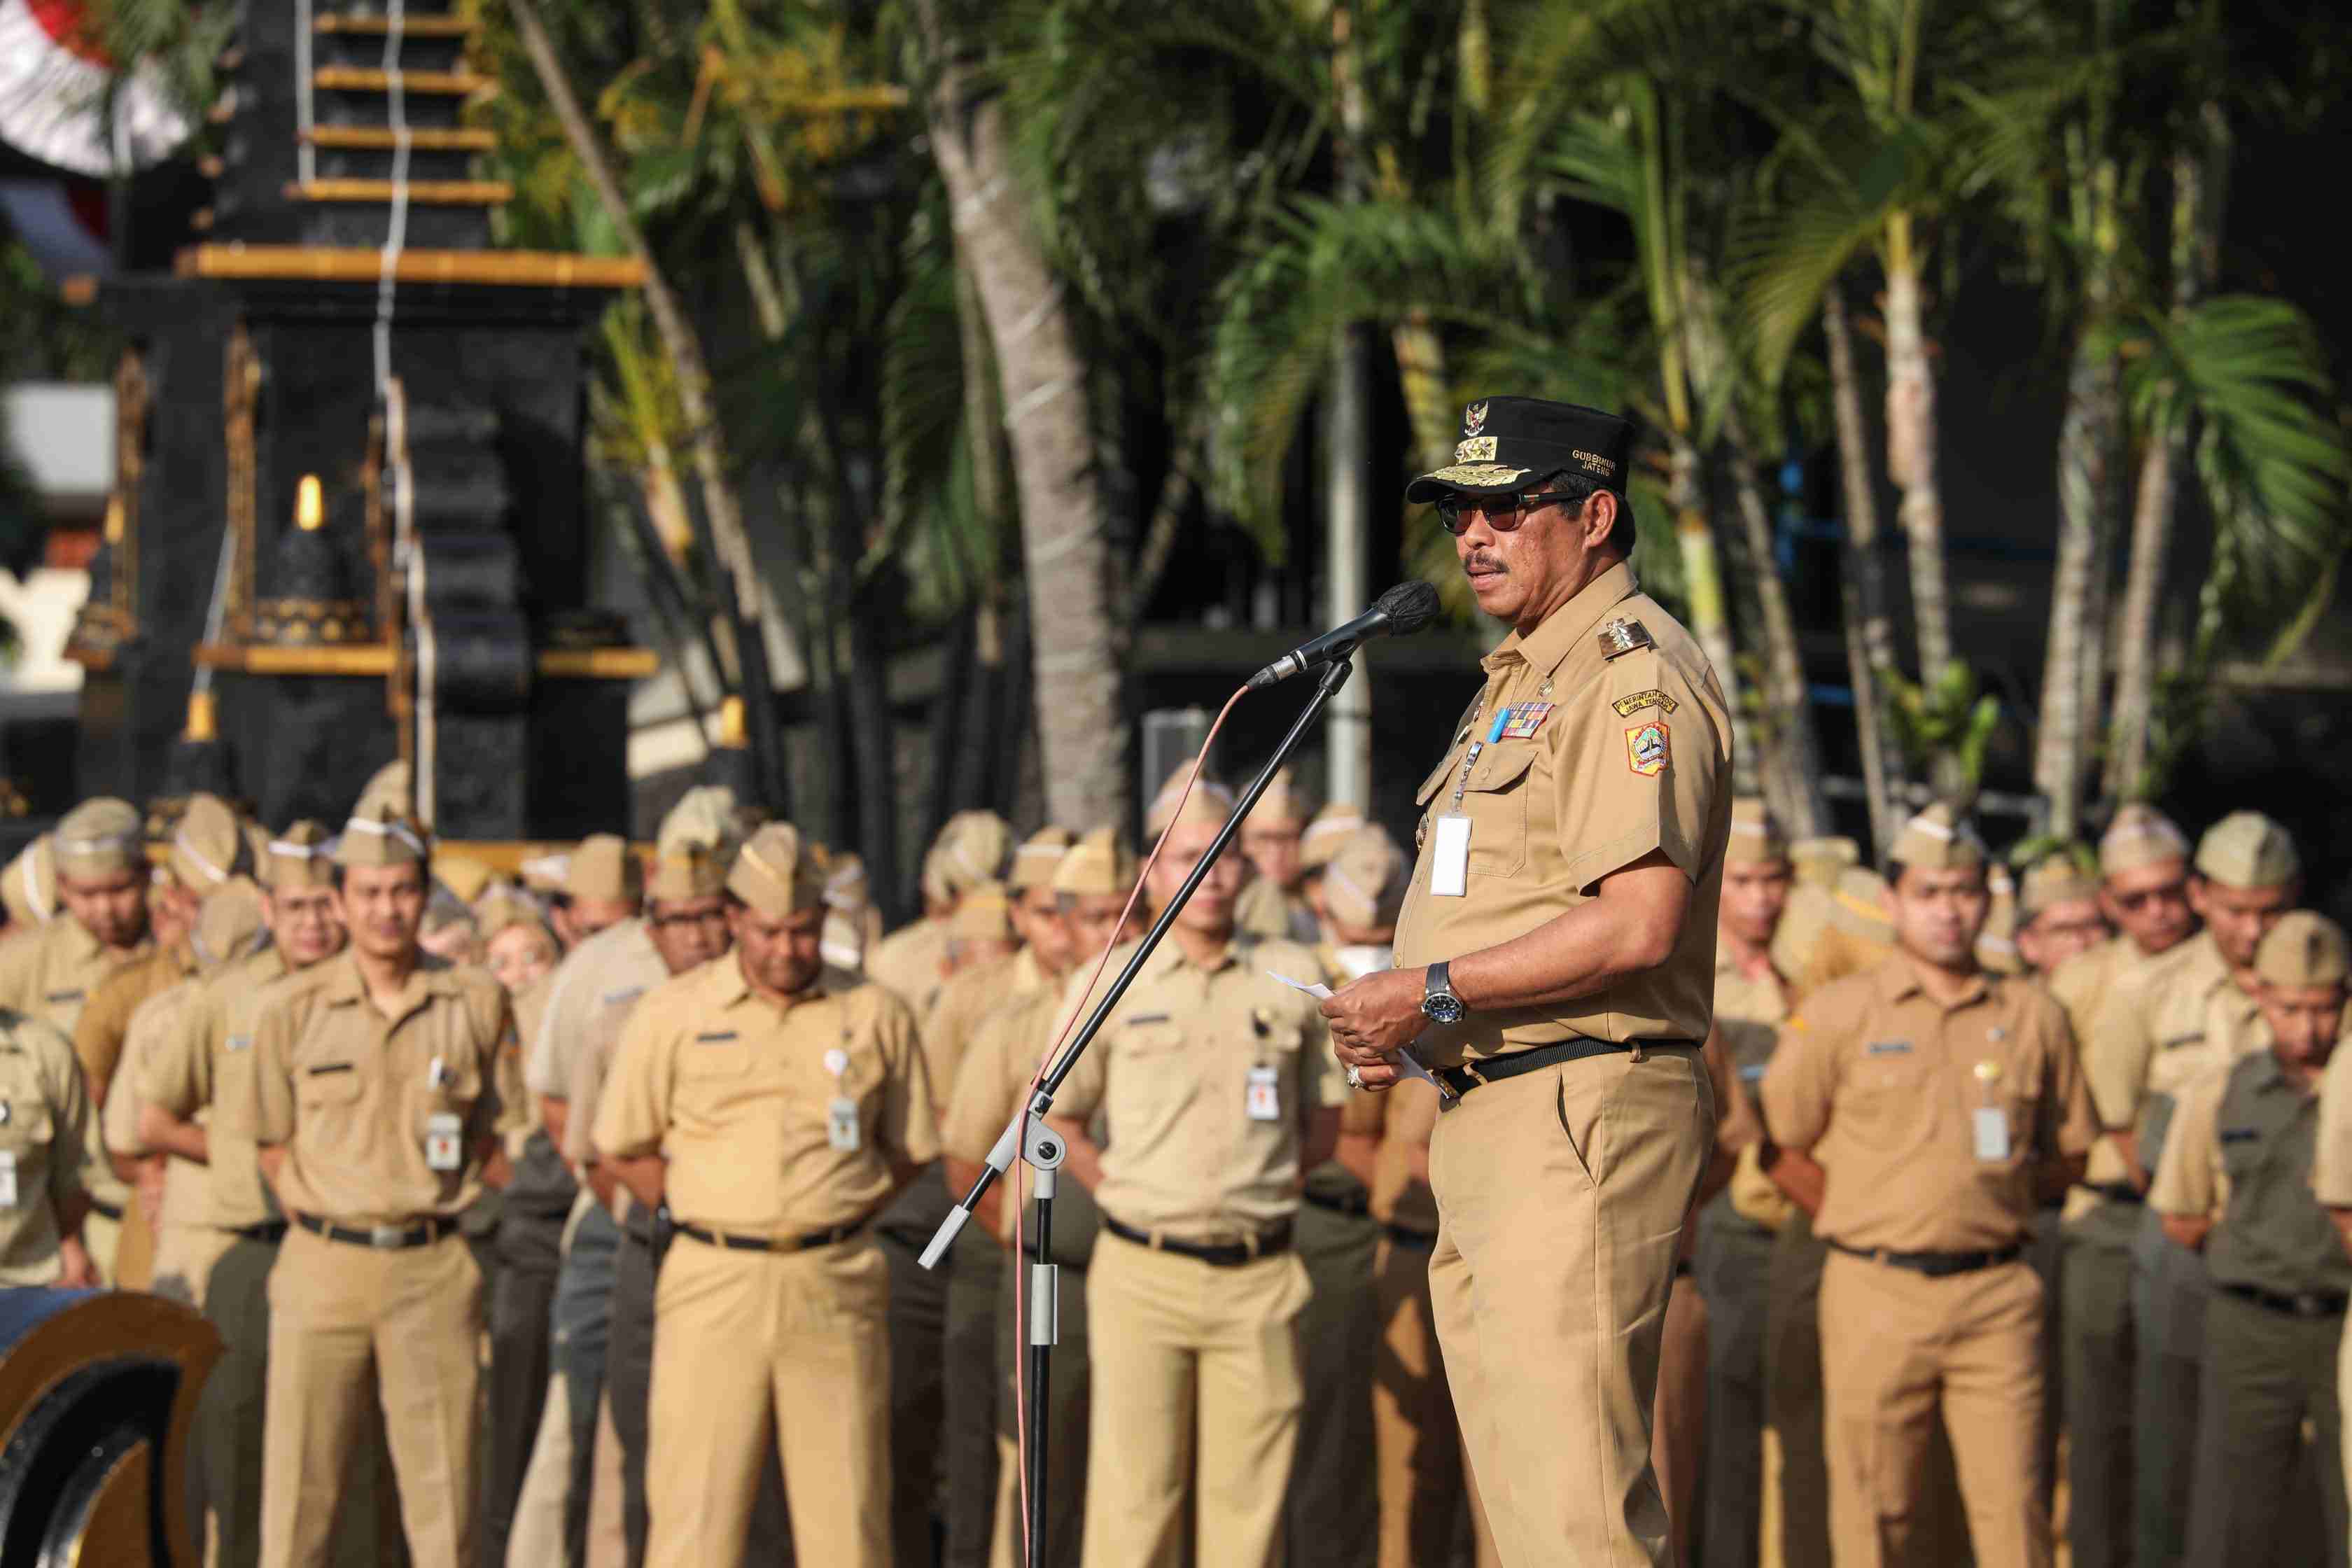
(1484, 562)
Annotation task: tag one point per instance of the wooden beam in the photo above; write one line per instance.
(367, 78)
(374, 659)
(380, 138)
(412, 27)
(598, 664)
(354, 264)
(429, 193)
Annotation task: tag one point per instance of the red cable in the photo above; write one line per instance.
(1021, 1167)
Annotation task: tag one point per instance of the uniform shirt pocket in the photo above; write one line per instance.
(1494, 799)
(27, 1126)
(1150, 1079)
(1888, 1101)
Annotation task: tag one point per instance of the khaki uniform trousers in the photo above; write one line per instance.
(1424, 1487)
(1327, 1523)
(755, 1348)
(1197, 1388)
(1907, 1349)
(969, 1396)
(2098, 1334)
(1732, 1265)
(1562, 1194)
(348, 1326)
(184, 1257)
(2169, 1292)
(1792, 1389)
(2266, 1373)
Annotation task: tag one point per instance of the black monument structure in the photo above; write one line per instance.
(349, 523)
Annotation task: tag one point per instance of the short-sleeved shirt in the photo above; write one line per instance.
(908, 961)
(1606, 756)
(2241, 1151)
(204, 1070)
(2085, 985)
(736, 1092)
(1172, 1072)
(995, 1074)
(592, 1062)
(1748, 1013)
(617, 965)
(2182, 1018)
(1265, 909)
(187, 1184)
(2331, 1164)
(50, 1135)
(964, 1001)
(351, 1093)
(52, 972)
(105, 1019)
(1882, 1083)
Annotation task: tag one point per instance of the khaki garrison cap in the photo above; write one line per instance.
(229, 922)
(777, 872)
(205, 844)
(1755, 836)
(605, 867)
(99, 838)
(1939, 839)
(694, 847)
(1209, 802)
(378, 835)
(976, 844)
(502, 904)
(1820, 861)
(984, 913)
(2141, 836)
(1859, 905)
(392, 784)
(29, 885)
(1331, 828)
(1365, 882)
(1282, 805)
(1034, 862)
(2058, 878)
(1096, 865)
(464, 876)
(2303, 950)
(2247, 849)
(299, 857)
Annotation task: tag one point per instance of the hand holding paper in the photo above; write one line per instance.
(1404, 1060)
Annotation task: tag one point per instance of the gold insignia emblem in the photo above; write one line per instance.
(1628, 706)
(1622, 637)
(1477, 449)
(1473, 419)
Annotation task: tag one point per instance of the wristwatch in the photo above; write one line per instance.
(1438, 1003)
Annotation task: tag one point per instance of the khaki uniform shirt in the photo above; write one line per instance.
(1400, 1196)
(2241, 1150)
(592, 1063)
(51, 973)
(618, 964)
(1882, 1083)
(2084, 986)
(1810, 912)
(1748, 1013)
(187, 1184)
(2331, 1166)
(1632, 756)
(909, 961)
(735, 1093)
(1172, 1073)
(2182, 1018)
(963, 1002)
(1360, 1115)
(202, 1071)
(105, 1019)
(1265, 910)
(349, 1091)
(48, 1133)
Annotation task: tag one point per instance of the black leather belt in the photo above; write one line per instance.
(2308, 1304)
(112, 1211)
(272, 1231)
(805, 1242)
(1406, 1236)
(1935, 1265)
(1459, 1081)
(1216, 1253)
(2114, 1192)
(1357, 1203)
(383, 1238)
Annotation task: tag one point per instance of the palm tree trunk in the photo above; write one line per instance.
(1042, 375)
(1703, 580)
(1911, 454)
(1793, 779)
(2061, 750)
(1869, 630)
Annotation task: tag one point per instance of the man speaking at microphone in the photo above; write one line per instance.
(1557, 958)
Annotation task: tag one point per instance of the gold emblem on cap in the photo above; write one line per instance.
(1477, 449)
(1473, 419)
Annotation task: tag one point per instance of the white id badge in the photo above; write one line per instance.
(445, 1147)
(841, 1124)
(1992, 1132)
(1449, 866)
(1264, 1100)
(7, 1178)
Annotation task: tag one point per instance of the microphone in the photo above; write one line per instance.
(1401, 611)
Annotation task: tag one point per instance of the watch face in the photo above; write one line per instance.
(1443, 1009)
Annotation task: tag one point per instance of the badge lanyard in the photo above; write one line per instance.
(445, 1145)
(1449, 866)
(1263, 1101)
(841, 1128)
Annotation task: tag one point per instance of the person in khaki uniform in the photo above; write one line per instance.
(374, 1116)
(970, 850)
(775, 1115)
(1331, 826)
(2331, 1184)
(1273, 840)
(2184, 1016)
(1090, 887)
(51, 972)
(1558, 945)
(48, 1156)
(1217, 1084)
(28, 888)
(1944, 1104)
(2236, 1183)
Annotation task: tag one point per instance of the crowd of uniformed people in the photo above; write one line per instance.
(573, 1216)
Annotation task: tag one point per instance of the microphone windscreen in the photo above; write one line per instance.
(1409, 607)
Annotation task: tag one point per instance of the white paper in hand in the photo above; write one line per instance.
(1405, 1060)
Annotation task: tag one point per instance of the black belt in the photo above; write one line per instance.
(383, 1238)
(2308, 1304)
(2114, 1192)
(1216, 1253)
(805, 1242)
(1460, 1080)
(1935, 1265)
(1406, 1236)
(1356, 1203)
(272, 1231)
(112, 1211)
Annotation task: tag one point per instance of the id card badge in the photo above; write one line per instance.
(841, 1129)
(445, 1147)
(1264, 1100)
(1449, 863)
(1992, 1133)
(7, 1178)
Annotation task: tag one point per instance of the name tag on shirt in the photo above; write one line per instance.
(715, 1037)
(1992, 1132)
(1887, 1049)
(1263, 1103)
(841, 1128)
(238, 1042)
(445, 1148)
(2239, 1134)
(1449, 864)
(7, 1178)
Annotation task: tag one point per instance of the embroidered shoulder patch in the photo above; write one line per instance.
(1648, 748)
(1628, 706)
(1525, 720)
(1623, 636)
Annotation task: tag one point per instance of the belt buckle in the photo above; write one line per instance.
(386, 1237)
(2307, 1305)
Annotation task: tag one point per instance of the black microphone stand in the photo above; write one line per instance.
(1027, 1138)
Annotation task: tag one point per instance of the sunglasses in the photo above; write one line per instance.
(1502, 513)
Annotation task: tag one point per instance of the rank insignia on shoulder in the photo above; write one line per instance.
(1648, 748)
(1623, 636)
(1887, 1049)
(1628, 706)
(1525, 720)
